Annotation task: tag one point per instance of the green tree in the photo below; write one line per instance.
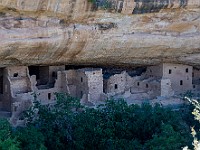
(114, 125)
(6, 140)
(168, 139)
(30, 138)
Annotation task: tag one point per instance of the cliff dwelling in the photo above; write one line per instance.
(94, 85)
(97, 50)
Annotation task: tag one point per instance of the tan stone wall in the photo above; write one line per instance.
(46, 95)
(154, 89)
(137, 88)
(151, 87)
(166, 88)
(61, 83)
(95, 84)
(19, 79)
(116, 83)
(130, 81)
(70, 82)
(66, 82)
(178, 74)
(20, 70)
(87, 81)
(81, 84)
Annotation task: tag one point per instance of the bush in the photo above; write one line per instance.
(7, 142)
(113, 125)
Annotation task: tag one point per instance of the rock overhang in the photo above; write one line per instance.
(97, 38)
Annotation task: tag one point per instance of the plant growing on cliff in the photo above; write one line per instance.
(196, 113)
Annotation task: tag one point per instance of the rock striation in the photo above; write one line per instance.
(72, 32)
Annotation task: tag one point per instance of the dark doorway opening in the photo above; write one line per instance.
(41, 73)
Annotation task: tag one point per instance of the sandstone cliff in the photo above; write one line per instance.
(53, 32)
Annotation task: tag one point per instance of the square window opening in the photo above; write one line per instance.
(15, 75)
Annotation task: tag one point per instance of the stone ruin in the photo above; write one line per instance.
(17, 84)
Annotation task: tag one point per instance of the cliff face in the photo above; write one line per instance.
(53, 32)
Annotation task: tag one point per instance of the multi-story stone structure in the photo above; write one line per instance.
(17, 84)
(87, 83)
(163, 80)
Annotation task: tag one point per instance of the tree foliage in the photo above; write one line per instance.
(114, 125)
(196, 113)
(7, 142)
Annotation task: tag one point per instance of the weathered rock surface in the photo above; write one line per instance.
(51, 32)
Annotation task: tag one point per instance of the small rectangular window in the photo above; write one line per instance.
(116, 86)
(81, 79)
(170, 71)
(49, 96)
(186, 70)
(138, 83)
(147, 85)
(181, 82)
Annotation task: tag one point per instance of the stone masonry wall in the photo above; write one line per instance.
(180, 76)
(116, 83)
(95, 84)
